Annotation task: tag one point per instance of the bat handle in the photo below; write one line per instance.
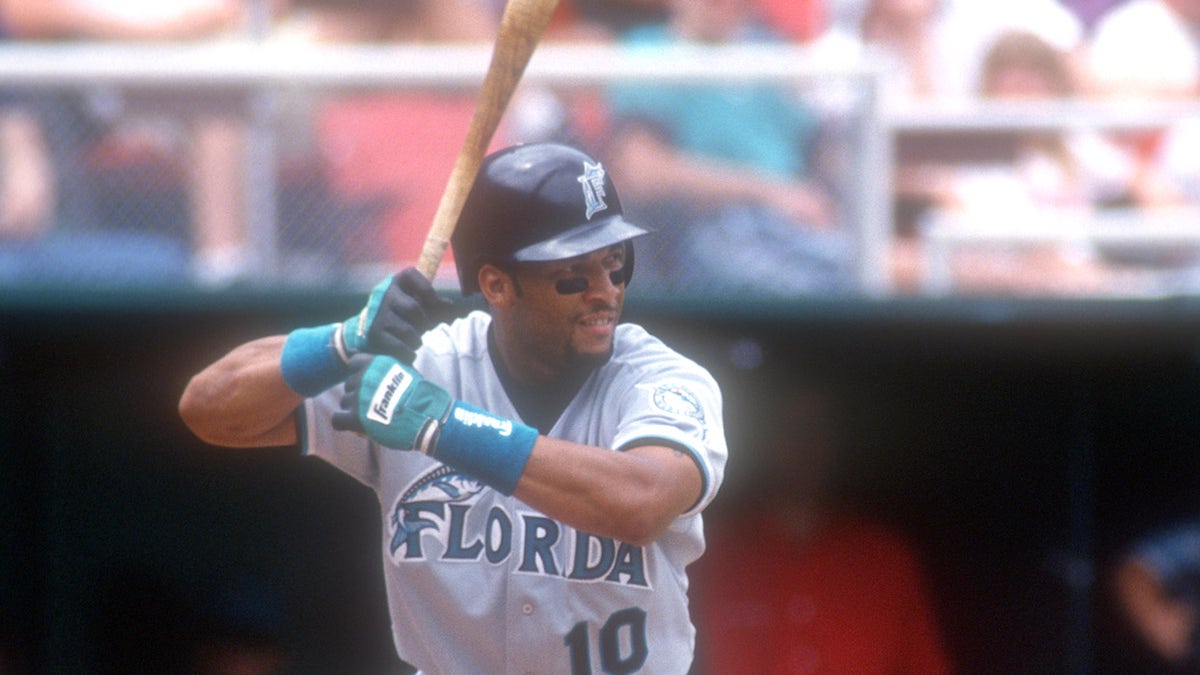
(521, 28)
(431, 255)
(466, 165)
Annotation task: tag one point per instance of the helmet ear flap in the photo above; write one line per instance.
(626, 272)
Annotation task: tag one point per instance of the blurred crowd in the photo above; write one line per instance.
(745, 183)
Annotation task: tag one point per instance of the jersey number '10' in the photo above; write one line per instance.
(614, 659)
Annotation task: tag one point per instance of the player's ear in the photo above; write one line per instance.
(497, 285)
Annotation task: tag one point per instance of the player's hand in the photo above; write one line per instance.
(389, 402)
(398, 312)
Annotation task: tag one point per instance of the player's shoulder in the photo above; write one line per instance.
(632, 341)
(465, 336)
(637, 350)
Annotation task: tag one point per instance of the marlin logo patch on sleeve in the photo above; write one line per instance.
(676, 399)
(387, 395)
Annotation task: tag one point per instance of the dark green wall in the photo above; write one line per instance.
(1012, 441)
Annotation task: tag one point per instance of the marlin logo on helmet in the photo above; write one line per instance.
(592, 181)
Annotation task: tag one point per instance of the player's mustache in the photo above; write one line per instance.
(601, 306)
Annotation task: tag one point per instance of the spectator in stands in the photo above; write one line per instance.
(1165, 194)
(795, 578)
(905, 33)
(1147, 48)
(605, 20)
(384, 21)
(1156, 586)
(1150, 49)
(50, 228)
(119, 19)
(1176, 165)
(213, 164)
(727, 173)
(934, 50)
(796, 20)
(27, 189)
(936, 47)
(1051, 177)
(393, 149)
(569, 114)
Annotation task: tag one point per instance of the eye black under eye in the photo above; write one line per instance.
(571, 286)
(575, 285)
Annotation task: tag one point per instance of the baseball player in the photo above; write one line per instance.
(540, 468)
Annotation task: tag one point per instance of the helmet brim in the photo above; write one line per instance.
(581, 240)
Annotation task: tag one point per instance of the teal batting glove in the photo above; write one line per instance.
(398, 312)
(389, 402)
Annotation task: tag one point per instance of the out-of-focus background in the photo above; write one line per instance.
(943, 256)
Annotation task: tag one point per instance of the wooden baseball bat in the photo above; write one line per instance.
(521, 28)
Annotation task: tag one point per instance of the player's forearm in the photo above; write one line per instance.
(242, 400)
(631, 496)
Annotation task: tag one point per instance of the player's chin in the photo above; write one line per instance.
(594, 339)
(590, 356)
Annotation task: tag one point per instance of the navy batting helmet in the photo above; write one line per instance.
(538, 202)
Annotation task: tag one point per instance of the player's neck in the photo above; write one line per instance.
(515, 366)
(539, 402)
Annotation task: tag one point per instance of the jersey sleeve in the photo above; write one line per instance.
(679, 407)
(349, 452)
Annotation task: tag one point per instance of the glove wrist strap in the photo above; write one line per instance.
(311, 362)
(492, 449)
(339, 344)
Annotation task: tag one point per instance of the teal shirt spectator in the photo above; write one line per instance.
(756, 124)
(735, 248)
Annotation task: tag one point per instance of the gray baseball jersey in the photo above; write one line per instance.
(481, 583)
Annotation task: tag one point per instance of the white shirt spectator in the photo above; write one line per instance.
(958, 35)
(1145, 48)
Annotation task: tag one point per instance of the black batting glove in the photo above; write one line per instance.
(398, 312)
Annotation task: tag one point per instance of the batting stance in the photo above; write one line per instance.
(541, 469)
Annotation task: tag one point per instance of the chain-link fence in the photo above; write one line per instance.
(272, 166)
(263, 166)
